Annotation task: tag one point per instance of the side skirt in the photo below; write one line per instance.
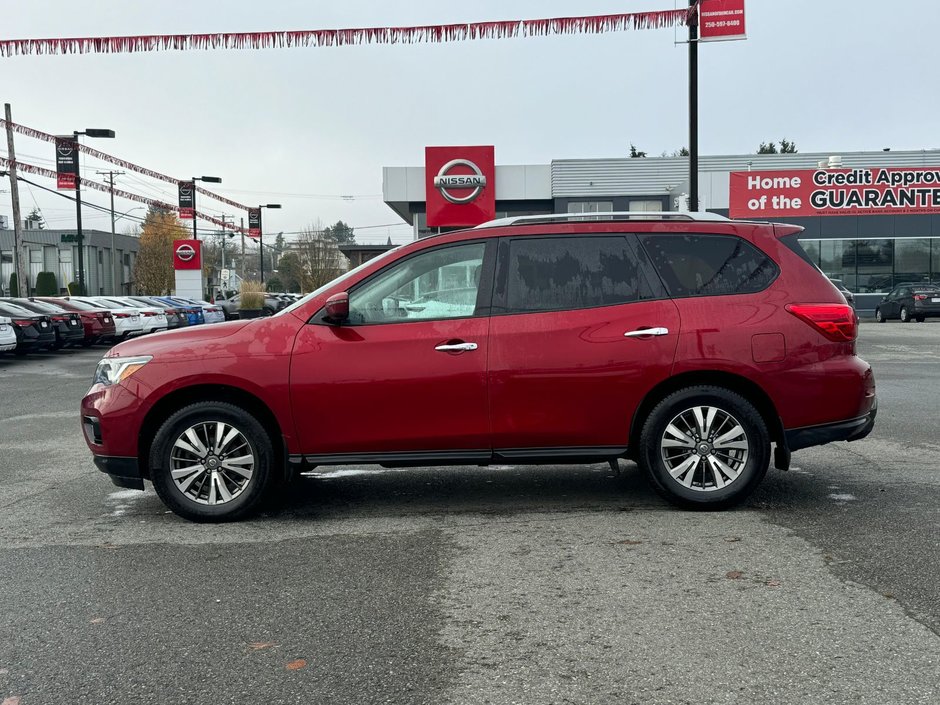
(511, 456)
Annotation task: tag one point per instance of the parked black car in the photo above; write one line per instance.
(33, 331)
(910, 302)
(67, 325)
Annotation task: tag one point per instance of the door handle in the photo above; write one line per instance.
(456, 347)
(643, 332)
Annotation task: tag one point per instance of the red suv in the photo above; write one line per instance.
(686, 342)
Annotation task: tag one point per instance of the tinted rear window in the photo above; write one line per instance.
(558, 273)
(709, 265)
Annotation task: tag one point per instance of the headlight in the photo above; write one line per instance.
(112, 370)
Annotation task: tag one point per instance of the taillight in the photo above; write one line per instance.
(171, 312)
(122, 315)
(149, 314)
(23, 322)
(837, 322)
(919, 297)
(60, 318)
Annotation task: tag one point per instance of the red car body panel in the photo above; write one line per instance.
(551, 379)
(572, 378)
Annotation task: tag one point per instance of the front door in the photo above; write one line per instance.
(581, 331)
(407, 373)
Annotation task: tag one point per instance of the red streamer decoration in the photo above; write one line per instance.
(91, 151)
(508, 29)
(41, 171)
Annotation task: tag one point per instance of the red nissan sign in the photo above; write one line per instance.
(721, 20)
(809, 192)
(187, 254)
(460, 185)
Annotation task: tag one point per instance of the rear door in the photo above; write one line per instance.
(581, 331)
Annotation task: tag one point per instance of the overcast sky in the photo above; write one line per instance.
(305, 127)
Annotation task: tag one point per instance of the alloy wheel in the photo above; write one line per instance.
(704, 448)
(212, 463)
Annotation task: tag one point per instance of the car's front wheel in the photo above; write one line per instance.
(704, 447)
(879, 316)
(211, 462)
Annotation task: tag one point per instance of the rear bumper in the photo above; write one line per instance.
(124, 472)
(852, 430)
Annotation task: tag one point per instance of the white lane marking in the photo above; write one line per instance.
(843, 498)
(122, 500)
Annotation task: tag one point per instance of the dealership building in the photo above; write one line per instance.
(871, 219)
(109, 259)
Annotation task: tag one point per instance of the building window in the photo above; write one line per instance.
(35, 256)
(877, 266)
(590, 206)
(648, 206)
(65, 256)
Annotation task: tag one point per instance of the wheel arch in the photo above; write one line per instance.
(192, 394)
(714, 378)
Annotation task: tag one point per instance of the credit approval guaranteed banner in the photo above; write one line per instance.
(811, 192)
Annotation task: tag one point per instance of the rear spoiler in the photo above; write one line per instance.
(782, 230)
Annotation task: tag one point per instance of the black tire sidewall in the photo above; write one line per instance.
(175, 425)
(750, 419)
(879, 316)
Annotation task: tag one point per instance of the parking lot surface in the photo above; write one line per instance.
(558, 584)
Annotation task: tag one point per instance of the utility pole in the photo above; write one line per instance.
(17, 217)
(242, 267)
(114, 276)
(693, 105)
(223, 238)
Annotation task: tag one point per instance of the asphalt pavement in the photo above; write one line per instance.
(559, 584)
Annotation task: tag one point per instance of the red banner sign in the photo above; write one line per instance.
(187, 254)
(721, 20)
(460, 185)
(810, 192)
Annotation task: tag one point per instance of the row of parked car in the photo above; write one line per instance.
(51, 323)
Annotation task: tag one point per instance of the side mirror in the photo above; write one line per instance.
(884, 298)
(337, 307)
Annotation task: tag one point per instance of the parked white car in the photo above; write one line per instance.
(127, 321)
(7, 334)
(153, 317)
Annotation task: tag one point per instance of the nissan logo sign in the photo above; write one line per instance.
(475, 181)
(185, 252)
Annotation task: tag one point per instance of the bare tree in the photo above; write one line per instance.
(319, 256)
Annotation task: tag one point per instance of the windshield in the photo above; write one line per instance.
(341, 278)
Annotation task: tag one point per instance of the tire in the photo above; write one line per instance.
(878, 317)
(905, 315)
(920, 319)
(193, 501)
(703, 490)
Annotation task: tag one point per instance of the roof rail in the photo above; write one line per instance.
(594, 217)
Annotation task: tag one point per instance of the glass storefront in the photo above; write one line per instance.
(877, 266)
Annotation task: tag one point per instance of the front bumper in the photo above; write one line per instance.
(124, 472)
(852, 430)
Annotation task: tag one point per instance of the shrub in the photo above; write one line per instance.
(75, 290)
(252, 296)
(274, 284)
(14, 285)
(47, 284)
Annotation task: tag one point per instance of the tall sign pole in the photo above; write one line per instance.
(17, 216)
(693, 105)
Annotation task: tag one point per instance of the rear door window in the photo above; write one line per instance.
(709, 265)
(564, 273)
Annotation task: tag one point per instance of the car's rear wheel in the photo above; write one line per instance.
(905, 315)
(920, 319)
(879, 316)
(704, 447)
(211, 462)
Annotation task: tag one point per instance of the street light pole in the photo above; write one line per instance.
(208, 180)
(261, 239)
(79, 236)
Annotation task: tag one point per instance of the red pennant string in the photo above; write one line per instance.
(120, 193)
(338, 37)
(117, 161)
